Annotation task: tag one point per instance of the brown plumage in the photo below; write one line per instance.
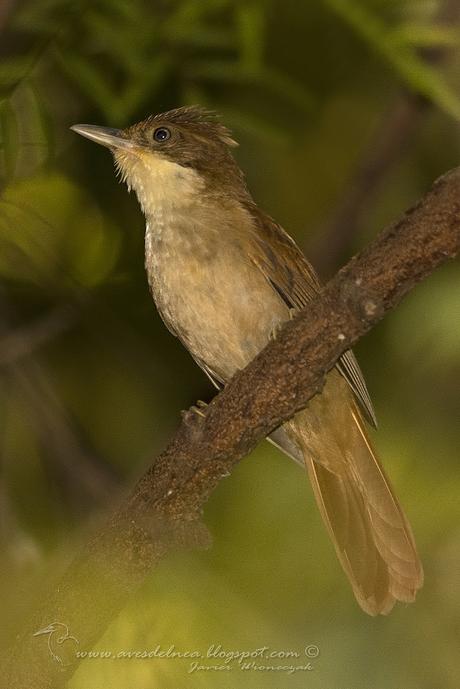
(224, 276)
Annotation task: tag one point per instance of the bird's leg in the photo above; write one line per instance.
(198, 408)
(276, 328)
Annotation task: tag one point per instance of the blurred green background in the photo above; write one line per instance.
(346, 111)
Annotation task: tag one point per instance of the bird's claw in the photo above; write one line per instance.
(196, 409)
(274, 331)
(276, 328)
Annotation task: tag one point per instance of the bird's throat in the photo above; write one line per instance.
(160, 184)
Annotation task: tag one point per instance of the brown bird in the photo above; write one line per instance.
(224, 276)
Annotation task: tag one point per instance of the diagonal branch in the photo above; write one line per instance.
(163, 511)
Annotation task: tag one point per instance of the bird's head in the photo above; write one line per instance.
(172, 156)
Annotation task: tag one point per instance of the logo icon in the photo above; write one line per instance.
(58, 635)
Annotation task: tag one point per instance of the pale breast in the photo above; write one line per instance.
(207, 290)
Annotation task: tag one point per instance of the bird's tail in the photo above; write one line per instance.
(371, 535)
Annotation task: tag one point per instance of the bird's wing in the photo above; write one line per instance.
(294, 279)
(349, 368)
(212, 375)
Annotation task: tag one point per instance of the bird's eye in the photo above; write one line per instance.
(161, 134)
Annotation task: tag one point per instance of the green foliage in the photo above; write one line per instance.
(86, 403)
(397, 45)
(9, 129)
(26, 133)
(123, 56)
(54, 236)
(425, 36)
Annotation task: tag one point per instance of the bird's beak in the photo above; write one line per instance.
(112, 138)
(45, 630)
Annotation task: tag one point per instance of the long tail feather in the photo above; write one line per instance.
(371, 535)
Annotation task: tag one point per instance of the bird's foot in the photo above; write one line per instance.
(199, 407)
(274, 332)
(276, 328)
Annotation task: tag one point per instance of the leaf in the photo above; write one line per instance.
(411, 67)
(257, 127)
(92, 248)
(287, 88)
(93, 84)
(44, 119)
(270, 79)
(52, 233)
(425, 36)
(14, 69)
(427, 81)
(115, 38)
(42, 18)
(140, 90)
(202, 37)
(129, 10)
(190, 12)
(25, 131)
(220, 70)
(251, 30)
(9, 138)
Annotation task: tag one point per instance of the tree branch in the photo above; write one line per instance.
(163, 511)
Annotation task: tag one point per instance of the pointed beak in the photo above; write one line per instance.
(112, 138)
(45, 630)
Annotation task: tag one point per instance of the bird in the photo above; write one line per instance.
(225, 276)
(58, 634)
